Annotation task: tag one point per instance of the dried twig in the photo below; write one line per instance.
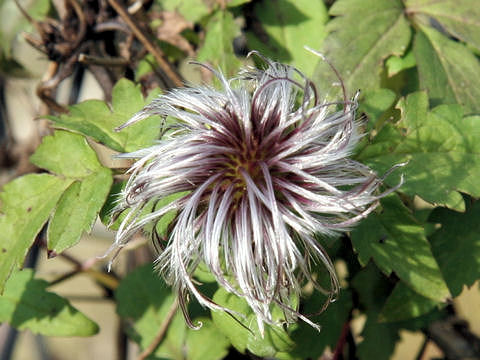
(167, 69)
(106, 280)
(102, 61)
(454, 337)
(44, 89)
(82, 27)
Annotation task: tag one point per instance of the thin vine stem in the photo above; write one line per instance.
(161, 332)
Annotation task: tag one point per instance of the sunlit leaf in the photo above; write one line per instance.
(25, 304)
(191, 10)
(437, 145)
(207, 343)
(290, 26)
(77, 210)
(458, 18)
(95, 119)
(69, 155)
(397, 243)
(244, 333)
(395, 64)
(232, 3)
(217, 48)
(362, 35)
(404, 303)
(447, 69)
(66, 154)
(26, 206)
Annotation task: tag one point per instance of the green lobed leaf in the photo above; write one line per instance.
(145, 66)
(456, 245)
(396, 64)
(379, 340)
(376, 102)
(91, 118)
(404, 303)
(144, 298)
(309, 343)
(203, 274)
(25, 304)
(94, 118)
(77, 210)
(107, 210)
(371, 288)
(233, 3)
(217, 48)
(440, 148)
(397, 243)
(207, 343)
(26, 206)
(460, 19)
(127, 99)
(161, 226)
(69, 155)
(362, 35)
(290, 26)
(244, 333)
(447, 69)
(191, 10)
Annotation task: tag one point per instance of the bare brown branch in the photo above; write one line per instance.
(157, 53)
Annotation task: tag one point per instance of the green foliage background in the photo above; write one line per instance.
(417, 65)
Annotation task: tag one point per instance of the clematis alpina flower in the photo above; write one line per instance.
(262, 165)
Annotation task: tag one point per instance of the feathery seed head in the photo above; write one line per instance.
(262, 165)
